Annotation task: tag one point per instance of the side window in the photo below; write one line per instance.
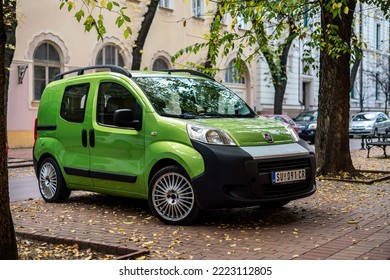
(73, 103)
(111, 97)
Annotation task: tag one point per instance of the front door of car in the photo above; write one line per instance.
(117, 147)
(381, 123)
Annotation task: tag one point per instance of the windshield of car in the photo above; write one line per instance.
(307, 116)
(364, 117)
(193, 98)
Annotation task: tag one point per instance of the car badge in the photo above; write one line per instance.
(268, 137)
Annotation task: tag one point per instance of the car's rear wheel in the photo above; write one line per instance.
(172, 198)
(52, 185)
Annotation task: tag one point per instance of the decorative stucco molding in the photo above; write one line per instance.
(48, 37)
(124, 50)
(161, 55)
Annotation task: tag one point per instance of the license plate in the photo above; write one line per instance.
(279, 177)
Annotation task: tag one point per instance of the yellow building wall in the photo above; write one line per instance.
(20, 139)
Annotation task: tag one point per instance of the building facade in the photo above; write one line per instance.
(50, 41)
(372, 86)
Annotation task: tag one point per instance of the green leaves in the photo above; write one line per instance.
(91, 14)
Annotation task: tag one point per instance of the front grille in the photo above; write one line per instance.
(280, 165)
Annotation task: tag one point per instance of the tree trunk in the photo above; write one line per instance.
(355, 69)
(142, 34)
(8, 246)
(332, 137)
(280, 89)
(280, 79)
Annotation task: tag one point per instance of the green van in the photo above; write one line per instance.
(177, 138)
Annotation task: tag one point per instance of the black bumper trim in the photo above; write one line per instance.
(232, 178)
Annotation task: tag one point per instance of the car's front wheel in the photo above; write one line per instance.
(172, 198)
(51, 183)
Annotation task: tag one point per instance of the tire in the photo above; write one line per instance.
(172, 197)
(51, 183)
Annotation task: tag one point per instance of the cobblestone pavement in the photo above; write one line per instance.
(342, 220)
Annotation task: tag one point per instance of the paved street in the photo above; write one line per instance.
(23, 188)
(343, 220)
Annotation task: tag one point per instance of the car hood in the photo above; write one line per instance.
(304, 123)
(250, 131)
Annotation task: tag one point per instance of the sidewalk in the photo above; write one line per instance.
(20, 157)
(342, 220)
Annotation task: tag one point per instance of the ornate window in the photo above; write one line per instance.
(197, 8)
(166, 4)
(47, 64)
(233, 76)
(110, 54)
(160, 64)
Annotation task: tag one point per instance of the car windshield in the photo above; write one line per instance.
(193, 98)
(364, 117)
(307, 116)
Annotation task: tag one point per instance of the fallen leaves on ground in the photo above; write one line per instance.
(30, 249)
(232, 232)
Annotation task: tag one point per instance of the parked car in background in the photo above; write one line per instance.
(369, 123)
(307, 125)
(283, 118)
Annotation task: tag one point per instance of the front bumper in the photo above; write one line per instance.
(307, 134)
(238, 177)
(361, 132)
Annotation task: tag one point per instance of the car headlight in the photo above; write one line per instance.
(312, 126)
(209, 135)
(293, 133)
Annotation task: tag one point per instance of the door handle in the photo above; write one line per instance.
(84, 137)
(92, 138)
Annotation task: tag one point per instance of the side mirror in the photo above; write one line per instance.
(124, 118)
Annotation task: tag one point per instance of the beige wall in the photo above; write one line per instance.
(41, 20)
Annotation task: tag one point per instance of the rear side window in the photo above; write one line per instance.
(73, 103)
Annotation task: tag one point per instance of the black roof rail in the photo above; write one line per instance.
(80, 71)
(189, 71)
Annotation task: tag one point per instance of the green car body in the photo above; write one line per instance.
(180, 140)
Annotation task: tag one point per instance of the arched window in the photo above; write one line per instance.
(110, 54)
(160, 64)
(47, 64)
(233, 76)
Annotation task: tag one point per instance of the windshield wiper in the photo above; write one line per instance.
(182, 116)
(219, 115)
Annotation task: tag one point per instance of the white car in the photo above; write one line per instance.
(369, 123)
